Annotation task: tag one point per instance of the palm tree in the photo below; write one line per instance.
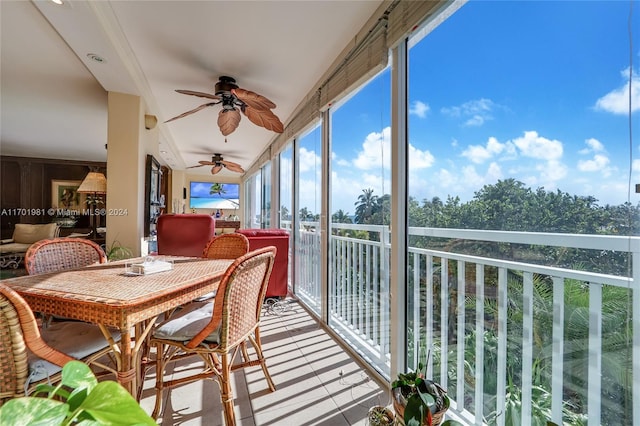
(217, 188)
(341, 217)
(365, 206)
(284, 213)
(305, 214)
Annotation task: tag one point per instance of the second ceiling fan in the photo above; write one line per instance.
(255, 107)
(219, 163)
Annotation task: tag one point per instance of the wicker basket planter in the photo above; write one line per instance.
(432, 418)
(380, 416)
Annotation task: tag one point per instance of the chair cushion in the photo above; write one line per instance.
(76, 339)
(27, 233)
(188, 322)
(14, 248)
(271, 232)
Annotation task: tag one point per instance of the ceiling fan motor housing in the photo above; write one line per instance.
(225, 85)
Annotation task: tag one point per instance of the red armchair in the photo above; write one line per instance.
(184, 234)
(279, 238)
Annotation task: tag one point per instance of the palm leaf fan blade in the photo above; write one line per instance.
(216, 169)
(231, 163)
(228, 121)
(184, 114)
(199, 94)
(264, 118)
(253, 99)
(234, 167)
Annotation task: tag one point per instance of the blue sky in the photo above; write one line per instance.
(535, 91)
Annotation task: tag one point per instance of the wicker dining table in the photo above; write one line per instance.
(110, 296)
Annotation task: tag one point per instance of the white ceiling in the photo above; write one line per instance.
(53, 98)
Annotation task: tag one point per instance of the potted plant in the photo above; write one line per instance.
(417, 400)
(380, 416)
(78, 399)
(117, 252)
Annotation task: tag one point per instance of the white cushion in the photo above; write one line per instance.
(207, 296)
(188, 322)
(76, 339)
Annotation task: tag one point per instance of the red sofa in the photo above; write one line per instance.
(184, 234)
(279, 238)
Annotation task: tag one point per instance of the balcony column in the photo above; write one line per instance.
(399, 229)
(128, 142)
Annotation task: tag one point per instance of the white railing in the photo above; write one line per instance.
(307, 265)
(475, 312)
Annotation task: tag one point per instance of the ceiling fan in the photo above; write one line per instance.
(219, 163)
(256, 107)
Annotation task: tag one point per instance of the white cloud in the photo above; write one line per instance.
(419, 109)
(339, 160)
(617, 101)
(594, 144)
(309, 195)
(479, 154)
(598, 163)
(308, 160)
(376, 153)
(344, 193)
(552, 171)
(635, 165)
(494, 172)
(419, 159)
(476, 120)
(535, 146)
(375, 148)
(476, 112)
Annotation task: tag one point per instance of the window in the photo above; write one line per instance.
(361, 210)
(514, 128)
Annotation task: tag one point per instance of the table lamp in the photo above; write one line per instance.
(94, 183)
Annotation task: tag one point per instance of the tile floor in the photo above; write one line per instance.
(305, 364)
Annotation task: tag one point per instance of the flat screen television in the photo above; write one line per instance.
(213, 195)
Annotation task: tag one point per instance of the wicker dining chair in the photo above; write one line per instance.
(59, 254)
(224, 246)
(29, 355)
(227, 246)
(217, 330)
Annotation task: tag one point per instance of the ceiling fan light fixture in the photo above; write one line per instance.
(220, 163)
(96, 58)
(254, 106)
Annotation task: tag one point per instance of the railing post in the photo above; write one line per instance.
(557, 361)
(479, 389)
(460, 346)
(635, 297)
(527, 347)
(503, 304)
(594, 387)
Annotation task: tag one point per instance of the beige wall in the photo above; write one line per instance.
(128, 143)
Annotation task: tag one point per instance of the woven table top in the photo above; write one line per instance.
(106, 294)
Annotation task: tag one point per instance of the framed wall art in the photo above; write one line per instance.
(65, 195)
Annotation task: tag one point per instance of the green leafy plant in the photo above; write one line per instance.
(117, 251)
(417, 399)
(380, 416)
(79, 399)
